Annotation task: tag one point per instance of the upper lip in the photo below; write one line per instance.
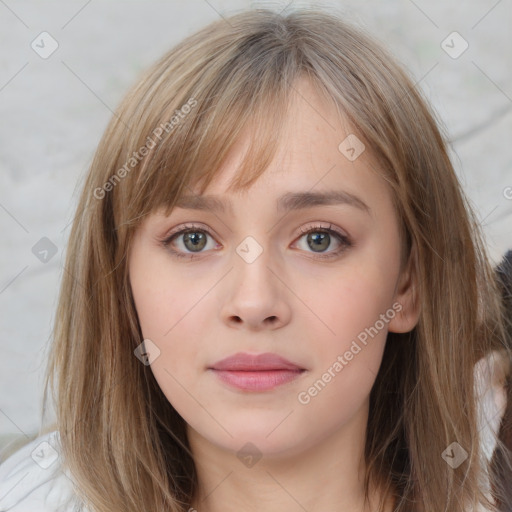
(242, 361)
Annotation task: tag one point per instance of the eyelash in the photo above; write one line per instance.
(188, 228)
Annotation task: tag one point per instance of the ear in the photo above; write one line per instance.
(406, 294)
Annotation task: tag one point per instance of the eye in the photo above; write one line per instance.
(194, 238)
(319, 238)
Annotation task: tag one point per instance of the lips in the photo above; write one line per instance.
(252, 363)
(256, 373)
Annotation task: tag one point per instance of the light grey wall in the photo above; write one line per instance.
(53, 111)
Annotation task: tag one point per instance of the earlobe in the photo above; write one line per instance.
(407, 296)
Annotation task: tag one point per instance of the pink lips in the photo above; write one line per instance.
(259, 372)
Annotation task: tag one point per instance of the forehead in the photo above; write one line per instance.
(288, 201)
(311, 165)
(320, 160)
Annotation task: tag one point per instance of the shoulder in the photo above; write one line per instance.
(32, 479)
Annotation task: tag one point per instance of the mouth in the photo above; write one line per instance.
(260, 372)
(259, 380)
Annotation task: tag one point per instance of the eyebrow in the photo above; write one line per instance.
(287, 202)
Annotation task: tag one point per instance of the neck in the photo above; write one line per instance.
(328, 475)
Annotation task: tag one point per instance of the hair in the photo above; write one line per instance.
(121, 438)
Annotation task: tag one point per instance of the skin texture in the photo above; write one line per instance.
(287, 301)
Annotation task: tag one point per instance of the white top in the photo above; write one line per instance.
(32, 479)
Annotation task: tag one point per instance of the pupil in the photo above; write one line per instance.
(196, 239)
(318, 238)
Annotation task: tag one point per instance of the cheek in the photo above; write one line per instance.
(161, 296)
(354, 300)
(169, 308)
(356, 308)
(347, 362)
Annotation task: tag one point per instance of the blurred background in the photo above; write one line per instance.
(65, 66)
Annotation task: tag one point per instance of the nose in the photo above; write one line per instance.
(255, 298)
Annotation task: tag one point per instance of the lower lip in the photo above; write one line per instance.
(257, 381)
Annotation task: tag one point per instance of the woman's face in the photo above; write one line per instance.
(278, 271)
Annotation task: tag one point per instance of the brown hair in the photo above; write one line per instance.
(121, 438)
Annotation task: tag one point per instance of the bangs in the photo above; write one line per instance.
(247, 95)
(199, 149)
